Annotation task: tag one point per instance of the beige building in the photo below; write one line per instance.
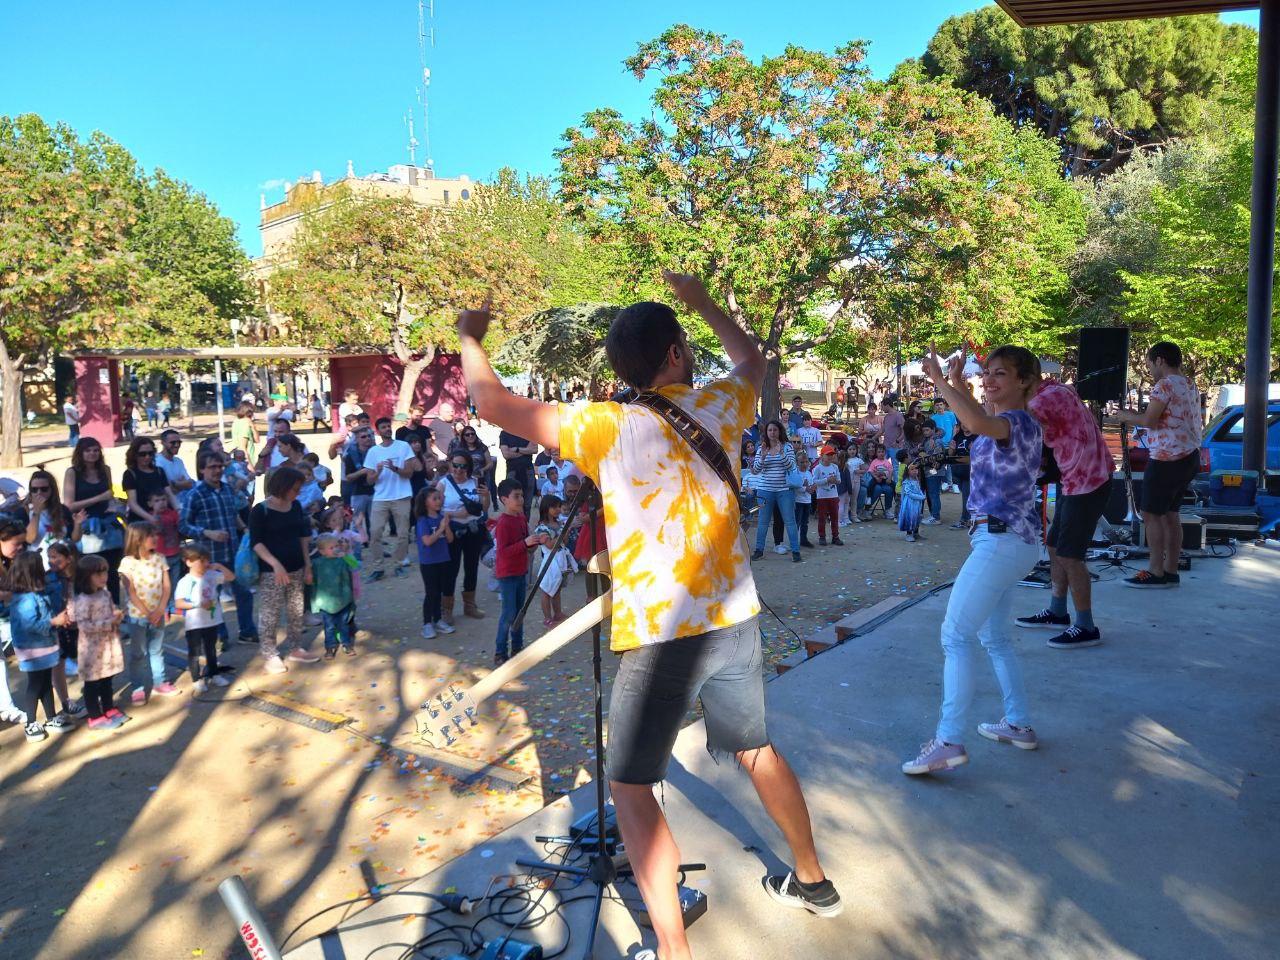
(279, 222)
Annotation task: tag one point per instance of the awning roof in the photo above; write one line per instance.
(1037, 13)
(221, 353)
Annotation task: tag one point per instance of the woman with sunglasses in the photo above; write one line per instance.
(50, 520)
(465, 504)
(143, 479)
(87, 485)
(468, 442)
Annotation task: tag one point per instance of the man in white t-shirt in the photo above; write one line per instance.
(171, 465)
(71, 414)
(350, 405)
(388, 466)
(279, 411)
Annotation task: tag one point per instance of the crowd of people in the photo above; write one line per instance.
(260, 520)
(898, 463)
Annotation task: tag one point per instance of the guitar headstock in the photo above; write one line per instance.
(447, 717)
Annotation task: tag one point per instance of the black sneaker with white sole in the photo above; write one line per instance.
(1044, 620)
(1074, 637)
(820, 899)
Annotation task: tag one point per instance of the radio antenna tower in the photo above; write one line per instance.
(426, 36)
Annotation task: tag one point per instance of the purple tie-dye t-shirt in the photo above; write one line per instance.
(1003, 476)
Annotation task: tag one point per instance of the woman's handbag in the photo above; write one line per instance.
(100, 534)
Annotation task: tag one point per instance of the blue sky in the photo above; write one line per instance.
(236, 97)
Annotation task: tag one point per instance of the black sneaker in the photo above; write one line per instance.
(822, 541)
(820, 898)
(758, 555)
(330, 652)
(1172, 579)
(1044, 620)
(837, 542)
(1074, 637)
(250, 639)
(806, 543)
(1146, 580)
(797, 558)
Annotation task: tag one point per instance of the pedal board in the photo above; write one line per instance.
(693, 904)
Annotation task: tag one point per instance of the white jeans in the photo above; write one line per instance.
(6, 698)
(978, 611)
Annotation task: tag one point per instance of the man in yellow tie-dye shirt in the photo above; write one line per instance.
(684, 600)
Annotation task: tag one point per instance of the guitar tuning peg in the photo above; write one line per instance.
(432, 712)
(449, 740)
(471, 715)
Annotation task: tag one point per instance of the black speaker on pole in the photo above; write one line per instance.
(1103, 363)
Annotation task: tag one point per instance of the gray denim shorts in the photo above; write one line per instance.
(657, 685)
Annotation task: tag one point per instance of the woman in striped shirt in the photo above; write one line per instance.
(772, 462)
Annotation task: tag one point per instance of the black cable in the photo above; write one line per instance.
(778, 618)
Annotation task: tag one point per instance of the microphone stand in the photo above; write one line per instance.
(600, 869)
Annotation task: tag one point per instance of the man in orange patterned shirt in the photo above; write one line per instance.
(684, 601)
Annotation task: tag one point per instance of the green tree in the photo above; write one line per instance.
(1193, 287)
(806, 193)
(367, 271)
(64, 267)
(1102, 91)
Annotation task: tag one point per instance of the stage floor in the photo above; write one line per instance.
(1146, 825)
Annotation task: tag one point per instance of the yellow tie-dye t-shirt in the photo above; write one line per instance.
(678, 562)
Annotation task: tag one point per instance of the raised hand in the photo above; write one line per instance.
(688, 289)
(474, 323)
(931, 366)
(955, 370)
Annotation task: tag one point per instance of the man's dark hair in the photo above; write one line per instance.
(638, 340)
(362, 417)
(1170, 353)
(806, 416)
(381, 420)
(350, 418)
(509, 486)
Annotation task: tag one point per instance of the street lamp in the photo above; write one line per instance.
(235, 331)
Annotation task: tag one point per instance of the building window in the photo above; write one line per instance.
(466, 194)
(446, 196)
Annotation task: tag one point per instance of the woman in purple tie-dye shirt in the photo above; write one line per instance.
(1004, 544)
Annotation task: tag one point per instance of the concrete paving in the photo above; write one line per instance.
(1147, 825)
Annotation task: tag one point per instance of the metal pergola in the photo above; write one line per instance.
(1262, 226)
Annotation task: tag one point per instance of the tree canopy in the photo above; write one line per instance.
(807, 193)
(384, 271)
(1101, 91)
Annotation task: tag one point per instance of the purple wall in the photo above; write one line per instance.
(377, 379)
(98, 397)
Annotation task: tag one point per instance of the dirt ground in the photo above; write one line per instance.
(112, 845)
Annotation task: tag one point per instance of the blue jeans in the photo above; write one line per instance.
(512, 591)
(978, 611)
(933, 494)
(785, 500)
(802, 519)
(146, 654)
(73, 434)
(877, 489)
(337, 626)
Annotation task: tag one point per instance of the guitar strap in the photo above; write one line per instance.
(695, 434)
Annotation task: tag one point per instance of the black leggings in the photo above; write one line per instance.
(433, 578)
(464, 552)
(202, 639)
(97, 696)
(40, 690)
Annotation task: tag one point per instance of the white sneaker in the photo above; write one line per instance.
(275, 665)
(200, 686)
(781, 550)
(220, 680)
(930, 521)
(442, 627)
(428, 631)
(303, 656)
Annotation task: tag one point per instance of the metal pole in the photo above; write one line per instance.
(252, 928)
(217, 396)
(1262, 234)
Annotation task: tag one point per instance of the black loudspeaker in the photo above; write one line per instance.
(1103, 362)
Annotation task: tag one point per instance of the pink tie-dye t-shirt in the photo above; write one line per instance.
(1178, 432)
